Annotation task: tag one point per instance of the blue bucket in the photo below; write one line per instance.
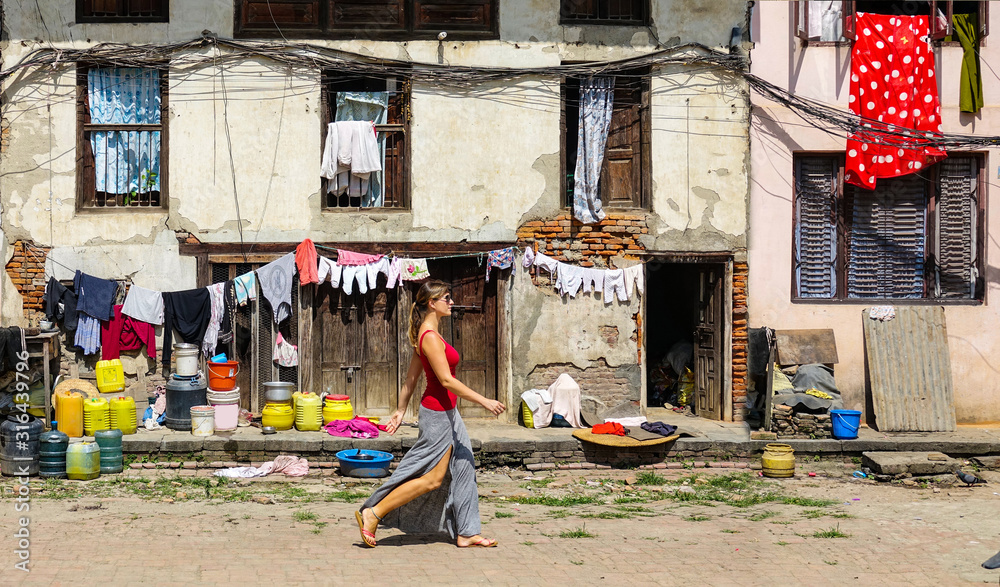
(845, 423)
(356, 462)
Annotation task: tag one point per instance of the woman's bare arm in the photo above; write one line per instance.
(412, 376)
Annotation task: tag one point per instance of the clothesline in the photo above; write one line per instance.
(435, 258)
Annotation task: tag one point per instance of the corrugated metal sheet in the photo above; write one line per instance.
(910, 370)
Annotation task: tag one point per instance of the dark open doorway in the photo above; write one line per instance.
(684, 336)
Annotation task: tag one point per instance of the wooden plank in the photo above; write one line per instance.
(504, 392)
(307, 353)
(800, 347)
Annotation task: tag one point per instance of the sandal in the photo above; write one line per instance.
(367, 537)
(482, 543)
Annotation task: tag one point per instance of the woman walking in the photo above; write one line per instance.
(433, 490)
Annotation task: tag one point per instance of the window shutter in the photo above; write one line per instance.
(886, 240)
(375, 15)
(956, 228)
(815, 230)
(453, 15)
(620, 182)
(271, 15)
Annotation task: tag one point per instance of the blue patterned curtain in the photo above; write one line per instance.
(125, 161)
(371, 106)
(596, 101)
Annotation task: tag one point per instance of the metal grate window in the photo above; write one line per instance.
(122, 10)
(605, 11)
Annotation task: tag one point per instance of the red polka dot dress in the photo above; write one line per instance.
(893, 89)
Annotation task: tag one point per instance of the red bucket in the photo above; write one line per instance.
(222, 376)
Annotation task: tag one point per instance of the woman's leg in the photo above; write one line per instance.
(465, 492)
(407, 492)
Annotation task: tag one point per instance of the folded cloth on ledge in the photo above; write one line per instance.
(631, 421)
(659, 428)
(609, 428)
(356, 428)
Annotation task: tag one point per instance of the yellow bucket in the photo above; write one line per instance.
(778, 461)
(110, 376)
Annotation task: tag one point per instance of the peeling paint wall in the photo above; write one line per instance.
(822, 73)
(483, 161)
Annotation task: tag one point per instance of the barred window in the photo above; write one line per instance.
(611, 12)
(123, 10)
(121, 137)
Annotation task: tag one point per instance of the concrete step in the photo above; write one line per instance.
(914, 463)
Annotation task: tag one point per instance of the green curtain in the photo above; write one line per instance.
(971, 82)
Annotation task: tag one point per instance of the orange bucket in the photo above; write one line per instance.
(222, 376)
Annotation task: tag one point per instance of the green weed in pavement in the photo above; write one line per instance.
(830, 533)
(577, 533)
(557, 502)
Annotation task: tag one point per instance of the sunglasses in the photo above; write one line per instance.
(445, 297)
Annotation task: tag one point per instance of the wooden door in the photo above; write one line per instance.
(472, 327)
(708, 345)
(357, 354)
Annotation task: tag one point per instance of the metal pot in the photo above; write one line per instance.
(278, 391)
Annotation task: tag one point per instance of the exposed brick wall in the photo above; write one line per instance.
(609, 384)
(740, 338)
(26, 269)
(587, 245)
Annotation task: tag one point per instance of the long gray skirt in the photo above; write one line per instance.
(453, 508)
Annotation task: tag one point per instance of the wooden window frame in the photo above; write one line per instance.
(643, 20)
(930, 232)
(800, 23)
(319, 21)
(326, 109)
(83, 16)
(86, 183)
(641, 198)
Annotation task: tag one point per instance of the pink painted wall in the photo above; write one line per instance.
(823, 73)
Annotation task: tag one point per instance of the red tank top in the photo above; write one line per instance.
(436, 396)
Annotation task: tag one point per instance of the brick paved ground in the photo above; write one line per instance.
(109, 533)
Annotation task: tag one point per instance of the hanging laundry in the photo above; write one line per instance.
(286, 354)
(329, 270)
(94, 295)
(226, 330)
(88, 334)
(60, 304)
(144, 304)
(124, 333)
(634, 275)
(352, 274)
(394, 275)
(246, 288)
(217, 296)
(593, 279)
(529, 257)
(350, 156)
(499, 258)
(276, 285)
(351, 258)
(596, 101)
(614, 284)
(188, 312)
(547, 263)
(374, 269)
(569, 279)
(893, 87)
(306, 261)
(367, 106)
(414, 269)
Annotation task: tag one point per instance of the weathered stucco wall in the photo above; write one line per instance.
(483, 161)
(822, 73)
